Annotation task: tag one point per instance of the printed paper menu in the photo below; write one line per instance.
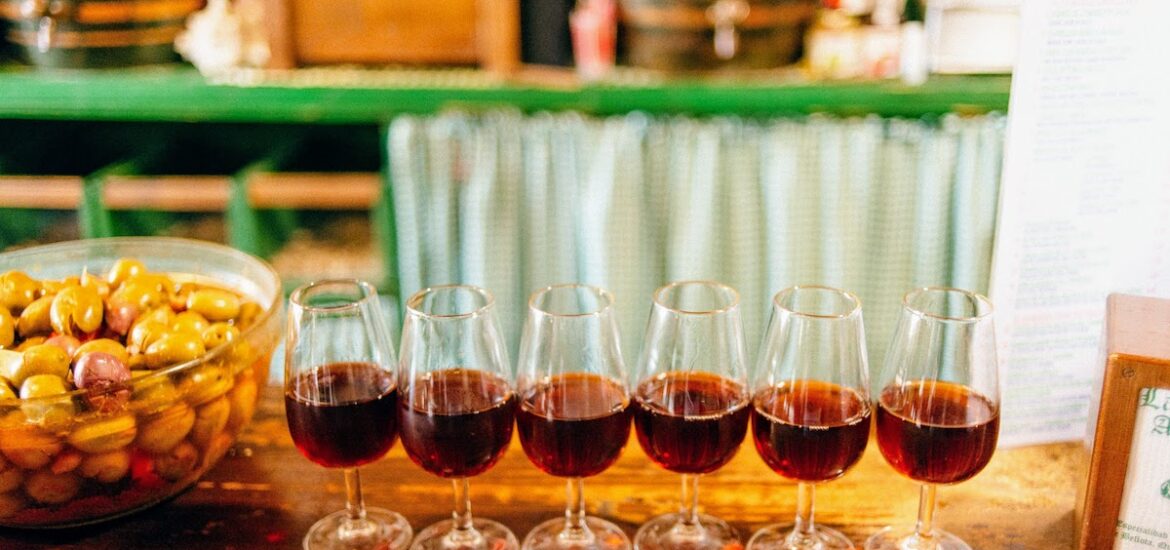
(1084, 201)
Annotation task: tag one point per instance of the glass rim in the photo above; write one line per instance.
(981, 301)
(734, 303)
(368, 290)
(851, 297)
(412, 303)
(601, 293)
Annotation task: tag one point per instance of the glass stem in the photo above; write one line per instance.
(575, 531)
(803, 529)
(690, 500)
(924, 529)
(355, 526)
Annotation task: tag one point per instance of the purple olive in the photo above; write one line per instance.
(100, 373)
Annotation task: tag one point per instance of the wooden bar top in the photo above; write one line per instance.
(264, 494)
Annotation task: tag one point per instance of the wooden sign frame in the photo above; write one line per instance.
(1137, 346)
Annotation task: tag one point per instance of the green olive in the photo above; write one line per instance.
(243, 401)
(10, 361)
(153, 395)
(206, 383)
(7, 328)
(106, 467)
(10, 479)
(46, 487)
(178, 462)
(42, 385)
(76, 309)
(26, 444)
(173, 348)
(215, 304)
(161, 314)
(190, 321)
(17, 290)
(249, 312)
(144, 334)
(210, 419)
(220, 333)
(123, 269)
(67, 461)
(163, 431)
(105, 435)
(142, 296)
(96, 284)
(106, 345)
(53, 414)
(35, 319)
(45, 359)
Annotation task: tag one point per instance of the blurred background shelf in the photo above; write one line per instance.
(371, 96)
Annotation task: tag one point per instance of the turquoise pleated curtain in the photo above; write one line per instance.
(515, 202)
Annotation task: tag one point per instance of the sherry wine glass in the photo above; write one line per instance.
(937, 404)
(691, 404)
(574, 417)
(340, 399)
(811, 413)
(457, 405)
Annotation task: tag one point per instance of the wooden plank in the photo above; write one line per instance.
(315, 191)
(264, 494)
(40, 192)
(498, 27)
(167, 193)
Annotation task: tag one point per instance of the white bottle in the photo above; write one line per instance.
(913, 63)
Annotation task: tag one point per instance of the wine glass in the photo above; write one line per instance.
(574, 416)
(691, 403)
(937, 403)
(811, 413)
(457, 404)
(340, 397)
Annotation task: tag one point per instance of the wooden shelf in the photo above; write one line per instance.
(368, 96)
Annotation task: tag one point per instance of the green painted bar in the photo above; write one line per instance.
(179, 94)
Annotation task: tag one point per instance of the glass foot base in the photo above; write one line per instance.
(600, 535)
(667, 532)
(487, 535)
(904, 538)
(383, 530)
(782, 537)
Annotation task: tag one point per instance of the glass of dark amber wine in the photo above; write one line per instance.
(937, 403)
(341, 396)
(574, 414)
(457, 405)
(810, 407)
(690, 404)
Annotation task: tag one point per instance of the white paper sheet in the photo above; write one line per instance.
(1084, 202)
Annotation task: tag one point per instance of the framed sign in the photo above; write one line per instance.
(1125, 500)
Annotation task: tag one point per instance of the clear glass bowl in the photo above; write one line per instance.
(88, 465)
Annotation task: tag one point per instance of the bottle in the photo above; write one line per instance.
(913, 62)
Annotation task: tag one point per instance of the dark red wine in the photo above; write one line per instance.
(690, 422)
(809, 430)
(342, 414)
(574, 425)
(936, 432)
(457, 422)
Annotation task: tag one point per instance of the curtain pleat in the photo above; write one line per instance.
(515, 202)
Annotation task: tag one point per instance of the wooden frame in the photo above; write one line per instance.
(1137, 346)
(493, 44)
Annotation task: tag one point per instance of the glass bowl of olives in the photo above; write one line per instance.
(128, 367)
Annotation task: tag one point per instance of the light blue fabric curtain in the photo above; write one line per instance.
(514, 202)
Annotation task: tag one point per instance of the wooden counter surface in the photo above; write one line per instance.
(264, 494)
